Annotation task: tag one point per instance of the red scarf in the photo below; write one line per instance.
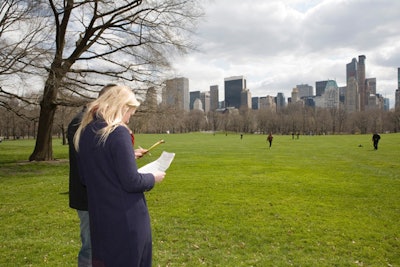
(132, 139)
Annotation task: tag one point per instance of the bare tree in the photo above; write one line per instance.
(20, 37)
(94, 42)
(392, 121)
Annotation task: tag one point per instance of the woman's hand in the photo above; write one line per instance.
(158, 176)
(140, 152)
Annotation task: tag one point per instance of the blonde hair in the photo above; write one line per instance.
(111, 106)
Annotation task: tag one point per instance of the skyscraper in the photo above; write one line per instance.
(330, 97)
(305, 90)
(193, 96)
(295, 95)
(398, 78)
(268, 103)
(205, 100)
(234, 86)
(245, 99)
(370, 86)
(352, 97)
(280, 101)
(320, 87)
(351, 69)
(397, 99)
(361, 82)
(255, 103)
(214, 97)
(176, 93)
(150, 103)
(397, 93)
(197, 105)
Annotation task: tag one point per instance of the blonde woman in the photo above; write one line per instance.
(119, 219)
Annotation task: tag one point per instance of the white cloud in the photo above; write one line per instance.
(279, 44)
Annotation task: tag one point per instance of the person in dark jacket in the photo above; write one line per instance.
(78, 195)
(375, 139)
(119, 218)
(77, 191)
(269, 139)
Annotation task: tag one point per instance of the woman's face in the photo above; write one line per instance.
(128, 115)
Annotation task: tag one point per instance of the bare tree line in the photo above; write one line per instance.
(294, 119)
(291, 119)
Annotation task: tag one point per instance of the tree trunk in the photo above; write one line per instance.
(44, 148)
(64, 135)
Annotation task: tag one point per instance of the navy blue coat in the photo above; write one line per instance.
(77, 191)
(119, 218)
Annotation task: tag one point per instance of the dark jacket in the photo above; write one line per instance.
(376, 138)
(77, 191)
(119, 218)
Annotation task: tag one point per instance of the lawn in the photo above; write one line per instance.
(226, 201)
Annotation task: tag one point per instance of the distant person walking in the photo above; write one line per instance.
(375, 138)
(269, 139)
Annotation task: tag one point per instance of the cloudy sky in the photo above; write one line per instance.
(278, 44)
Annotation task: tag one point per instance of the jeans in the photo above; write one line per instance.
(85, 254)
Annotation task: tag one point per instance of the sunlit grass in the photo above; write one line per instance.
(312, 201)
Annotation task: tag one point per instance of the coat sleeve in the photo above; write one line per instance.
(123, 155)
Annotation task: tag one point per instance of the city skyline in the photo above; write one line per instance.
(277, 46)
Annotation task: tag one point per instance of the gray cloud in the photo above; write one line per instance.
(279, 44)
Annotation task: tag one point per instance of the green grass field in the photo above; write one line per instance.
(315, 201)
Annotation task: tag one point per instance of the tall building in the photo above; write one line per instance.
(197, 105)
(398, 78)
(375, 101)
(176, 93)
(245, 99)
(361, 82)
(365, 87)
(397, 99)
(150, 103)
(310, 101)
(193, 96)
(352, 97)
(295, 95)
(234, 86)
(280, 101)
(370, 86)
(214, 97)
(205, 100)
(305, 90)
(330, 97)
(351, 70)
(268, 103)
(255, 103)
(320, 87)
(397, 93)
(386, 104)
(342, 92)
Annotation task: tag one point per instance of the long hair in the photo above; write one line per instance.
(111, 106)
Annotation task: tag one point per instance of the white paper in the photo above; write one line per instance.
(160, 164)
